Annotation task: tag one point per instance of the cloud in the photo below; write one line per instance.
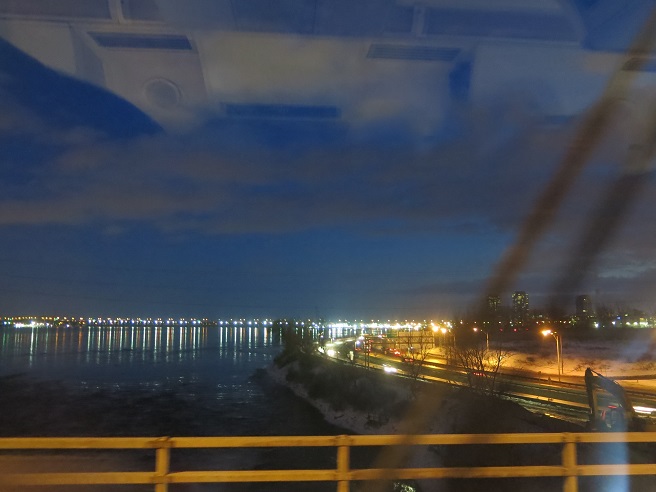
(628, 268)
(201, 182)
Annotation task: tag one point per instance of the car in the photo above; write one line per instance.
(476, 378)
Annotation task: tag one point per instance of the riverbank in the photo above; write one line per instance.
(428, 408)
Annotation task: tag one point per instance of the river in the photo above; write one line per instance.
(213, 365)
(176, 381)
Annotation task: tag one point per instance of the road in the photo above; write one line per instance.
(566, 399)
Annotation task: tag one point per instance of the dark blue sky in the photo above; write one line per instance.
(318, 185)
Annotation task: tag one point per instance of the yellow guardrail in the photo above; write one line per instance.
(568, 468)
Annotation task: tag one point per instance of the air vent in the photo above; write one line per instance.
(141, 41)
(412, 53)
(78, 9)
(281, 111)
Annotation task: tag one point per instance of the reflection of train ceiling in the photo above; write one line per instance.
(354, 60)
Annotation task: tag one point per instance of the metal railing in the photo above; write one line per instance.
(568, 468)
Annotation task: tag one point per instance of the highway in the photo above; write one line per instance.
(566, 400)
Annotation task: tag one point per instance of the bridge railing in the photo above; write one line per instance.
(161, 476)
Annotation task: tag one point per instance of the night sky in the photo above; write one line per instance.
(311, 177)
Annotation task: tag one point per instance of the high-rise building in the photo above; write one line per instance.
(492, 313)
(584, 307)
(493, 305)
(519, 307)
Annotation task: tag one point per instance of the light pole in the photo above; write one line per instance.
(559, 349)
(443, 331)
(487, 337)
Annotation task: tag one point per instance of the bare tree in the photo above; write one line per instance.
(482, 365)
(417, 346)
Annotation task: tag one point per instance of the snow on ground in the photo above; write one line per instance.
(627, 359)
(349, 419)
(612, 358)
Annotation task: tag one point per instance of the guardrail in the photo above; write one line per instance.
(568, 468)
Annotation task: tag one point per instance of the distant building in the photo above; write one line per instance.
(519, 315)
(492, 318)
(584, 307)
(493, 303)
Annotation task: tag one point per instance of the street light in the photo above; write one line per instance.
(487, 337)
(559, 349)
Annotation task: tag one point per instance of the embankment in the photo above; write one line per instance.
(372, 402)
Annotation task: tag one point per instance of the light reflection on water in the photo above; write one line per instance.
(207, 369)
(155, 355)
